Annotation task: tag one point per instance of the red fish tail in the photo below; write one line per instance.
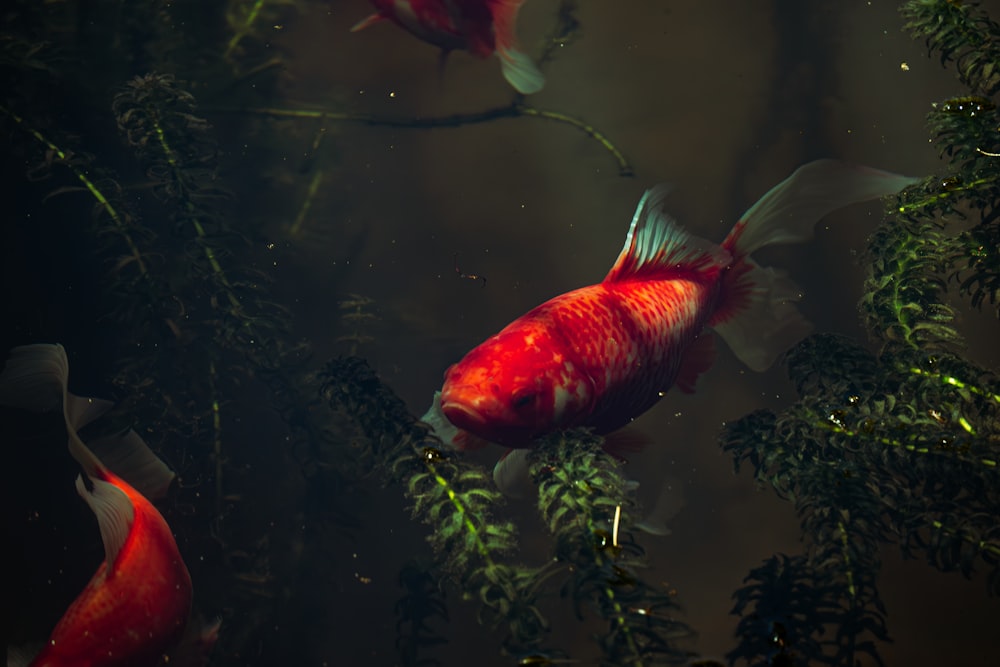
(518, 68)
(756, 316)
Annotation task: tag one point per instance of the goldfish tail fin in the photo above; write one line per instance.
(127, 455)
(519, 70)
(35, 378)
(114, 512)
(756, 316)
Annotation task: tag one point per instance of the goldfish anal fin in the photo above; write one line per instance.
(698, 358)
(657, 248)
(367, 22)
(127, 455)
(114, 512)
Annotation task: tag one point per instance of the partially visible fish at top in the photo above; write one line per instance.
(602, 355)
(137, 605)
(481, 27)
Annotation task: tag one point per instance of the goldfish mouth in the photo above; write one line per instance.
(462, 416)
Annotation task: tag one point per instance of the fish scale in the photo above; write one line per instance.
(601, 355)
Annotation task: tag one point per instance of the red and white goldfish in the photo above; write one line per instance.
(482, 27)
(136, 606)
(602, 355)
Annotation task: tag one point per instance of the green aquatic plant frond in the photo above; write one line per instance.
(962, 33)
(452, 496)
(586, 503)
(515, 109)
(877, 451)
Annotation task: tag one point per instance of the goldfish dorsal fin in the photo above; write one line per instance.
(656, 247)
(127, 455)
(114, 512)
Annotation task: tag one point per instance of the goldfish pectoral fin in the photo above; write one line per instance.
(511, 475)
(625, 441)
(367, 21)
(698, 358)
(127, 455)
(114, 512)
(520, 71)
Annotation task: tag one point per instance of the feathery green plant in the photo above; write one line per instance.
(899, 447)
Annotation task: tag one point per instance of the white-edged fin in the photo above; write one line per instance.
(21, 656)
(114, 512)
(511, 476)
(790, 210)
(446, 432)
(35, 379)
(127, 455)
(756, 315)
(520, 71)
(769, 323)
(657, 247)
(81, 410)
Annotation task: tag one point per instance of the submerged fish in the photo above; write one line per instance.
(137, 605)
(482, 27)
(602, 355)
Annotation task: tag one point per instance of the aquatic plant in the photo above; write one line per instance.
(583, 499)
(899, 447)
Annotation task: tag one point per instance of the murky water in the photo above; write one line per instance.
(721, 101)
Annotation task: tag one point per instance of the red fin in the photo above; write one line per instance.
(468, 442)
(756, 316)
(698, 358)
(657, 248)
(626, 441)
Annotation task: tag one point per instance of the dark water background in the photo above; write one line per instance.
(722, 101)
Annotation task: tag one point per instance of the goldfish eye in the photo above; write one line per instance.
(523, 398)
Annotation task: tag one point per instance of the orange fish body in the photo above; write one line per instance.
(136, 606)
(481, 27)
(602, 355)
